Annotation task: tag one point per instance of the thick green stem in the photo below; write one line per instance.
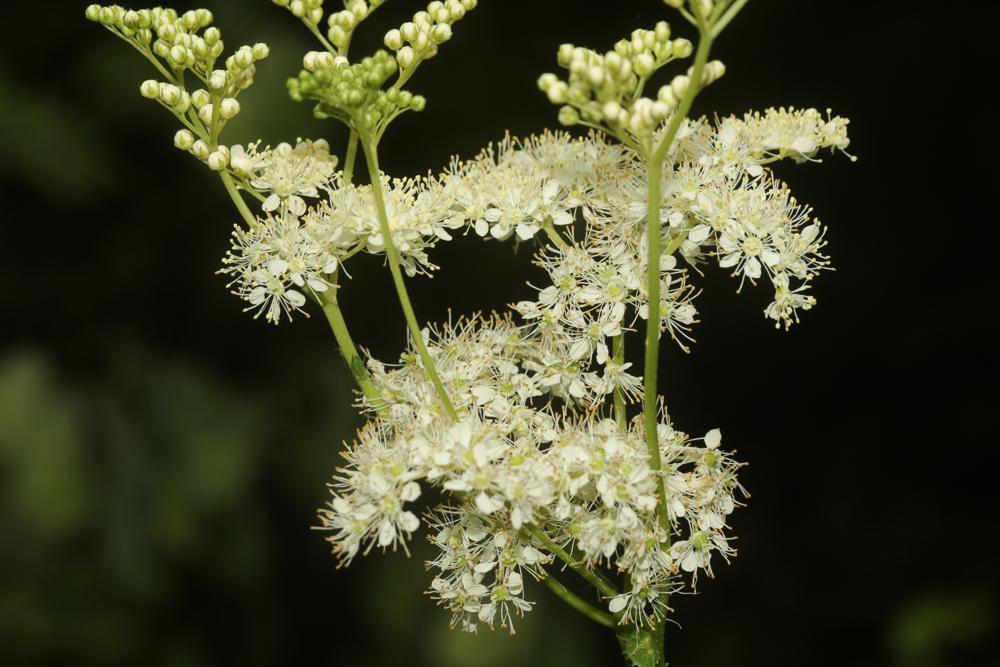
(350, 157)
(653, 247)
(397, 277)
(348, 350)
(234, 194)
(642, 647)
(579, 604)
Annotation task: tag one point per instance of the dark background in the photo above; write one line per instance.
(162, 455)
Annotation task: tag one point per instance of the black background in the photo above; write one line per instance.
(161, 454)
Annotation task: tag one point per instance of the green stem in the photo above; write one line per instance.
(335, 317)
(618, 351)
(595, 579)
(322, 40)
(653, 241)
(234, 194)
(642, 647)
(371, 158)
(550, 229)
(730, 14)
(350, 158)
(579, 604)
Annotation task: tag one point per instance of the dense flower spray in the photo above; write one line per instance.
(552, 449)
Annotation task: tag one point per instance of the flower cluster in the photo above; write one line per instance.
(287, 173)
(523, 425)
(526, 481)
(296, 247)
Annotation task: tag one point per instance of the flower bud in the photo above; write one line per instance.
(418, 103)
(393, 40)
(558, 92)
(546, 80)
(218, 80)
(205, 113)
(200, 149)
(261, 51)
(184, 140)
(150, 89)
(662, 32)
(228, 108)
(200, 98)
(244, 57)
(568, 116)
(611, 109)
(644, 64)
(184, 103)
(441, 33)
(679, 85)
(405, 57)
(170, 94)
(217, 161)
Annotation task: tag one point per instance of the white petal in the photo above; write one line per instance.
(699, 233)
(409, 522)
(410, 492)
(713, 438)
(271, 203)
(618, 603)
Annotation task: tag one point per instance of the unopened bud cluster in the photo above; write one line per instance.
(355, 93)
(605, 90)
(177, 42)
(170, 36)
(418, 39)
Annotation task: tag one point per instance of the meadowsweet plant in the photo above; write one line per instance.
(553, 453)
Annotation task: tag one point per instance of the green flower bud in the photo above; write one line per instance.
(243, 57)
(184, 140)
(218, 80)
(393, 40)
(228, 108)
(546, 80)
(406, 57)
(205, 113)
(200, 98)
(217, 161)
(200, 150)
(150, 89)
(568, 116)
(418, 103)
(558, 92)
(441, 33)
(184, 104)
(170, 94)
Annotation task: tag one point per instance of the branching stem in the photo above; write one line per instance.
(395, 268)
